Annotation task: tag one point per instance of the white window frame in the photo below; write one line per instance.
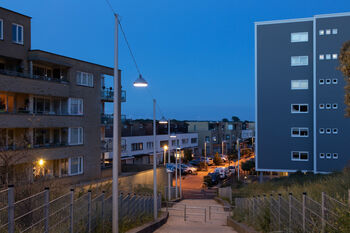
(328, 106)
(321, 130)
(335, 81)
(328, 31)
(328, 155)
(322, 155)
(299, 129)
(321, 81)
(80, 136)
(321, 32)
(85, 79)
(299, 58)
(328, 81)
(334, 31)
(335, 106)
(80, 168)
(298, 84)
(321, 106)
(335, 131)
(334, 56)
(80, 103)
(321, 57)
(2, 29)
(328, 130)
(335, 155)
(293, 159)
(296, 37)
(328, 56)
(298, 112)
(18, 26)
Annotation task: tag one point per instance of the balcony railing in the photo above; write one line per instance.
(108, 95)
(107, 119)
(32, 76)
(35, 146)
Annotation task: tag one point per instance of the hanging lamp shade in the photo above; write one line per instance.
(140, 82)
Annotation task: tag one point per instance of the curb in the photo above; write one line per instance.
(152, 226)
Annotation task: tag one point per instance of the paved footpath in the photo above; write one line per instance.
(176, 223)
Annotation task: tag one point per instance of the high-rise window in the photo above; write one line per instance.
(299, 132)
(299, 84)
(299, 108)
(85, 79)
(76, 106)
(300, 155)
(299, 37)
(17, 33)
(76, 165)
(136, 146)
(75, 136)
(1, 29)
(299, 60)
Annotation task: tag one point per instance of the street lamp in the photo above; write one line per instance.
(165, 149)
(140, 82)
(239, 156)
(180, 157)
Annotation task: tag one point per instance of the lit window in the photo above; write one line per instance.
(328, 106)
(85, 79)
(17, 33)
(321, 32)
(328, 56)
(335, 106)
(335, 81)
(334, 31)
(328, 155)
(300, 156)
(321, 106)
(299, 108)
(328, 81)
(328, 31)
(335, 155)
(76, 165)
(335, 131)
(299, 37)
(75, 136)
(299, 84)
(299, 132)
(321, 81)
(299, 60)
(321, 130)
(1, 29)
(328, 131)
(321, 57)
(335, 56)
(321, 155)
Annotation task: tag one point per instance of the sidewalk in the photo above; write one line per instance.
(176, 224)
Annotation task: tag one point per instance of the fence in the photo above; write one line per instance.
(68, 213)
(172, 193)
(225, 193)
(289, 214)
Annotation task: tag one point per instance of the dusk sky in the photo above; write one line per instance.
(197, 55)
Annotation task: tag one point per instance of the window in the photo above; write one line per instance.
(41, 137)
(149, 145)
(228, 137)
(75, 136)
(335, 155)
(321, 32)
(335, 106)
(328, 131)
(42, 105)
(321, 130)
(299, 84)
(64, 167)
(207, 139)
(300, 156)
(299, 60)
(1, 29)
(136, 146)
(173, 143)
(17, 33)
(328, 155)
(76, 165)
(299, 132)
(184, 141)
(334, 31)
(321, 57)
(321, 106)
(321, 155)
(328, 81)
(85, 79)
(299, 37)
(328, 31)
(335, 131)
(321, 81)
(299, 108)
(193, 140)
(334, 56)
(328, 57)
(335, 81)
(76, 106)
(328, 106)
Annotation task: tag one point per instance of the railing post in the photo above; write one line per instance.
(71, 211)
(205, 214)
(304, 208)
(185, 213)
(89, 211)
(279, 211)
(323, 222)
(11, 209)
(103, 211)
(290, 212)
(209, 212)
(46, 209)
(121, 207)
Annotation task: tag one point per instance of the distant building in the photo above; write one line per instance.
(300, 94)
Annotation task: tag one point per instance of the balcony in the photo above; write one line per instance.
(108, 95)
(61, 79)
(107, 119)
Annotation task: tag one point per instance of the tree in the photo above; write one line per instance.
(235, 119)
(224, 120)
(217, 159)
(187, 155)
(344, 59)
(249, 165)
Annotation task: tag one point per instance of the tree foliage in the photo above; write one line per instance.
(217, 159)
(249, 165)
(235, 119)
(344, 59)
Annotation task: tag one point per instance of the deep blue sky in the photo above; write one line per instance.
(197, 55)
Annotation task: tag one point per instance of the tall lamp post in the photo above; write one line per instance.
(180, 157)
(239, 156)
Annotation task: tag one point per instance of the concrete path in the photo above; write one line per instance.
(195, 218)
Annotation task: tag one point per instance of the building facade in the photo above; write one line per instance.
(50, 107)
(300, 94)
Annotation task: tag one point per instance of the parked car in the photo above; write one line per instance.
(195, 162)
(223, 158)
(214, 178)
(189, 169)
(232, 169)
(221, 172)
(210, 161)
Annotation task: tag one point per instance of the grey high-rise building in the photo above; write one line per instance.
(300, 94)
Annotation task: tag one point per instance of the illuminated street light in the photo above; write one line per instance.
(163, 121)
(41, 162)
(140, 82)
